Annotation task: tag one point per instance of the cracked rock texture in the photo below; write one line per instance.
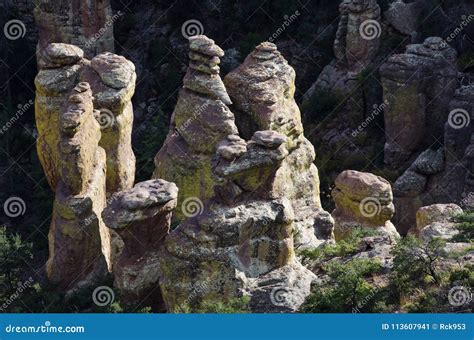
(201, 119)
(75, 256)
(142, 218)
(241, 243)
(262, 91)
(85, 24)
(362, 200)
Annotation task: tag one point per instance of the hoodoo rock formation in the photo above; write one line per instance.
(142, 218)
(262, 91)
(362, 200)
(75, 256)
(85, 24)
(112, 81)
(242, 242)
(418, 86)
(444, 175)
(200, 120)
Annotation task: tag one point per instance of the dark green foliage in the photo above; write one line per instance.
(233, 306)
(465, 225)
(321, 105)
(350, 292)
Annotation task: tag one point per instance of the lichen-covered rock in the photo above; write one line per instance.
(75, 258)
(112, 80)
(262, 91)
(86, 24)
(442, 176)
(201, 120)
(362, 200)
(418, 86)
(241, 242)
(404, 17)
(436, 213)
(142, 218)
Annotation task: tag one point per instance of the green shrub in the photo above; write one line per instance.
(232, 306)
(465, 225)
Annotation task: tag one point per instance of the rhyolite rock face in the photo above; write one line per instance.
(75, 256)
(201, 119)
(142, 218)
(418, 86)
(362, 200)
(111, 79)
(262, 91)
(241, 242)
(444, 175)
(86, 24)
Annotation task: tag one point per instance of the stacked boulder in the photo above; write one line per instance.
(418, 86)
(362, 200)
(142, 218)
(111, 80)
(262, 91)
(437, 220)
(241, 243)
(444, 175)
(75, 256)
(200, 120)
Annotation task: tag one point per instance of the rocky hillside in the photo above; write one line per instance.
(175, 156)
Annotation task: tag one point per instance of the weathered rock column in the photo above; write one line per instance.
(418, 86)
(142, 218)
(200, 120)
(86, 24)
(362, 200)
(241, 243)
(75, 256)
(262, 90)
